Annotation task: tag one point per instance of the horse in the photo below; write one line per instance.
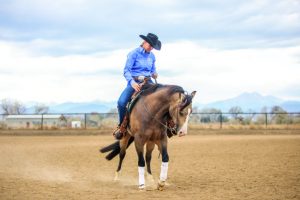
(161, 111)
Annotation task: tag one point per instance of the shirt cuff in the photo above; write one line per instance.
(132, 82)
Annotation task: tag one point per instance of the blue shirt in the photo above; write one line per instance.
(139, 63)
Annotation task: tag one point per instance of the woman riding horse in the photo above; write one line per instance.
(148, 124)
(140, 63)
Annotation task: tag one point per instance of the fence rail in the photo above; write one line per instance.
(109, 121)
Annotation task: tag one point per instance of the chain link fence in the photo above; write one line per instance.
(245, 120)
(108, 121)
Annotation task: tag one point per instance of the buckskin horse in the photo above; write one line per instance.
(161, 111)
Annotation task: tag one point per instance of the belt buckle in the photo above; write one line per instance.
(141, 78)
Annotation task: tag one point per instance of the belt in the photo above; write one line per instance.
(141, 78)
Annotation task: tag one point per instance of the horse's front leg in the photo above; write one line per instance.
(165, 162)
(139, 146)
(124, 143)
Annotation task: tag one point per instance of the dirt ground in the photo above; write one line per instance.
(200, 167)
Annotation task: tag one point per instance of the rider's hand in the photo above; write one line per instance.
(135, 86)
(154, 75)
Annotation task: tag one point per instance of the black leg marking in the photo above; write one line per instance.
(164, 154)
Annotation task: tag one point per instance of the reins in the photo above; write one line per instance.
(164, 125)
(169, 125)
(173, 130)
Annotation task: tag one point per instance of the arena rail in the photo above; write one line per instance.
(108, 121)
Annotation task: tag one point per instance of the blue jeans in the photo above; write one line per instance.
(123, 101)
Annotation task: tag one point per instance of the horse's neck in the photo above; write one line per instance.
(159, 104)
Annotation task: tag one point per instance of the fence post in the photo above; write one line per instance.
(221, 121)
(42, 122)
(266, 120)
(84, 120)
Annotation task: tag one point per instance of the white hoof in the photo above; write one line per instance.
(141, 187)
(117, 176)
(161, 185)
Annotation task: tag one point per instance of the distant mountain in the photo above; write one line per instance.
(247, 101)
(254, 102)
(85, 107)
(291, 106)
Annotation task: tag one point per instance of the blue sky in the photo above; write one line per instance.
(75, 50)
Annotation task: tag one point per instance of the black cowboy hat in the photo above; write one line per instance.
(152, 39)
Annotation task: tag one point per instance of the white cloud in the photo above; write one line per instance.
(79, 22)
(215, 74)
(46, 9)
(66, 50)
(219, 74)
(29, 77)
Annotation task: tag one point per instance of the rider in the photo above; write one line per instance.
(140, 63)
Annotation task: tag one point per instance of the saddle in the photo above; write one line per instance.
(122, 130)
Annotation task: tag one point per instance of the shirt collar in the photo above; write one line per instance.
(142, 50)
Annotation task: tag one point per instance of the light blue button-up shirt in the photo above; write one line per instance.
(139, 63)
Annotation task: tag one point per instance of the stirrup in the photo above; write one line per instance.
(118, 133)
(121, 129)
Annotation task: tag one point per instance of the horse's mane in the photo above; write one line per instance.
(151, 88)
(175, 89)
(187, 100)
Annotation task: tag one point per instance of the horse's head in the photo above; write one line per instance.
(180, 111)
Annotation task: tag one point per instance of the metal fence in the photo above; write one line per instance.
(246, 120)
(108, 121)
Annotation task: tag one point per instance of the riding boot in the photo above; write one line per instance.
(121, 130)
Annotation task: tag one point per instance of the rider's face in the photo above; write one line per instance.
(147, 46)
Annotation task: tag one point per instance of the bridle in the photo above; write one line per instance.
(169, 124)
(170, 127)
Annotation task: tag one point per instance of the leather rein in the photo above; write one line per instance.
(169, 125)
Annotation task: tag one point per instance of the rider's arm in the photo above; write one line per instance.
(153, 69)
(127, 69)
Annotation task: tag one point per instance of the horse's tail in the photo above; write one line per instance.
(114, 148)
(110, 147)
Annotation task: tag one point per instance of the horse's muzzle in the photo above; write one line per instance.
(183, 131)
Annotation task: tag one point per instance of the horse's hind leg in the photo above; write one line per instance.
(149, 149)
(139, 146)
(124, 143)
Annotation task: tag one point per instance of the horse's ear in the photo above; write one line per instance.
(193, 94)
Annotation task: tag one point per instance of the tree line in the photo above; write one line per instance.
(14, 107)
(276, 114)
(9, 107)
